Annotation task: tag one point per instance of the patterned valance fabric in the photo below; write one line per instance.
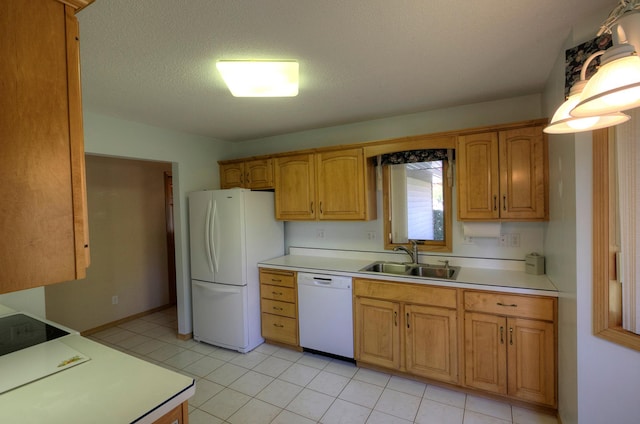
(413, 156)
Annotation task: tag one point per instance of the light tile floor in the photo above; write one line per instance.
(282, 386)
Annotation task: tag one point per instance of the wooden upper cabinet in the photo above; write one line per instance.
(341, 185)
(503, 175)
(231, 175)
(478, 178)
(253, 174)
(43, 215)
(334, 185)
(295, 183)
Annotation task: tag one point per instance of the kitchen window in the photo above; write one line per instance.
(417, 198)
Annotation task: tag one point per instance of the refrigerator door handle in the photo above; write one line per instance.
(212, 235)
(207, 238)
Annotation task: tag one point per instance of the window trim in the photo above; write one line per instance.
(603, 261)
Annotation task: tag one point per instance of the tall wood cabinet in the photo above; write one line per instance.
(43, 214)
(510, 345)
(503, 175)
(407, 327)
(253, 174)
(333, 185)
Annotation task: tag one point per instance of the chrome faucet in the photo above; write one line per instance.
(413, 254)
(446, 265)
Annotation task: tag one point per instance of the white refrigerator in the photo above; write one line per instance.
(230, 232)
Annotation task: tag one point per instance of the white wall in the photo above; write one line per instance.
(195, 167)
(355, 235)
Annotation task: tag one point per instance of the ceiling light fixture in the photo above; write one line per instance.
(260, 78)
(563, 123)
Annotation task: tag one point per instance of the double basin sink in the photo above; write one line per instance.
(414, 270)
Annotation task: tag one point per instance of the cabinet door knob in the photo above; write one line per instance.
(408, 326)
(501, 335)
(495, 203)
(395, 318)
(504, 203)
(312, 206)
(321, 208)
(511, 336)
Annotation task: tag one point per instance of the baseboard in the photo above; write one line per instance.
(127, 319)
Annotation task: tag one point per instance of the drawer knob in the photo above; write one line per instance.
(512, 305)
(278, 325)
(276, 293)
(276, 280)
(276, 308)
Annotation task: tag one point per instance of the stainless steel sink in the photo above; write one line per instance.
(419, 270)
(447, 273)
(388, 268)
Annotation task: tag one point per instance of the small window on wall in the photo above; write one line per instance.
(616, 234)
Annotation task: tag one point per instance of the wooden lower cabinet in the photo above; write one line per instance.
(178, 415)
(514, 353)
(414, 338)
(377, 335)
(279, 306)
(497, 343)
(431, 347)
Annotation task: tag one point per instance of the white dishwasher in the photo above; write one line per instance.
(325, 313)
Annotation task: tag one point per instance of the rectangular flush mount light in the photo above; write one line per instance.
(259, 78)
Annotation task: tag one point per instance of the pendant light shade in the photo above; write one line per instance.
(563, 123)
(616, 85)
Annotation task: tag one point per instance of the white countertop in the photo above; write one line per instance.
(504, 280)
(112, 387)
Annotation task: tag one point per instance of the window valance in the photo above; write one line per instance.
(413, 156)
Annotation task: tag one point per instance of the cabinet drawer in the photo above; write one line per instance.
(277, 278)
(410, 293)
(280, 329)
(533, 307)
(278, 308)
(277, 293)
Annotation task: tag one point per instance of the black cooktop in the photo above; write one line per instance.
(20, 331)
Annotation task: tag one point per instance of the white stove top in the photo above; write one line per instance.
(31, 349)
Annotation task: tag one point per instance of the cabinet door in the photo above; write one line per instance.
(42, 217)
(523, 174)
(485, 352)
(478, 178)
(431, 342)
(531, 359)
(341, 185)
(295, 188)
(232, 175)
(259, 174)
(377, 332)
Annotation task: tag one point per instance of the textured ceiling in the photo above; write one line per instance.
(153, 61)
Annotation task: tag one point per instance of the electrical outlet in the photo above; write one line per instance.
(503, 240)
(320, 233)
(514, 240)
(468, 240)
(114, 300)
(371, 235)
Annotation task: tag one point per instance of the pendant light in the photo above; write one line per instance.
(616, 85)
(563, 123)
